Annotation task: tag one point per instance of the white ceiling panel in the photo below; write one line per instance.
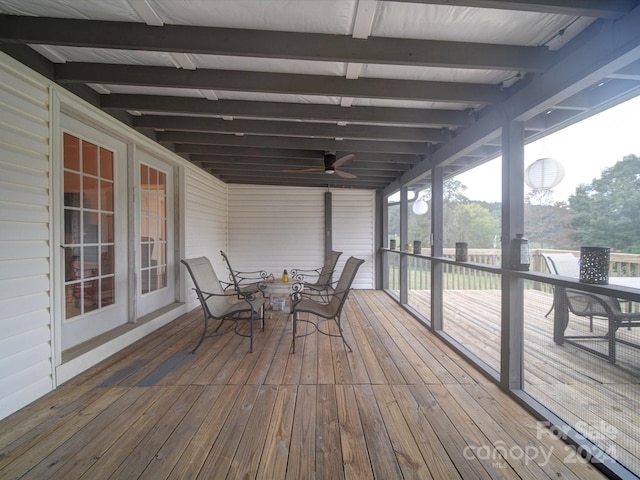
(462, 24)
(111, 56)
(281, 65)
(381, 102)
(318, 16)
(112, 10)
(281, 98)
(405, 72)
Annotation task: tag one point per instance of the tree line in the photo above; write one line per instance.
(605, 212)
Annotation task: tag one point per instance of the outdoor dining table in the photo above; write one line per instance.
(631, 282)
(278, 288)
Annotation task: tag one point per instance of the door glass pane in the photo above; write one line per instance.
(88, 227)
(106, 164)
(153, 227)
(89, 158)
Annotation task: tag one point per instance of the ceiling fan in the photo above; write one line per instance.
(331, 165)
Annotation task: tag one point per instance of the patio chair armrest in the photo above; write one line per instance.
(206, 295)
(251, 295)
(323, 286)
(315, 296)
(255, 301)
(252, 276)
(296, 292)
(299, 273)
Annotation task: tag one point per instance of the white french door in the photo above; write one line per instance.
(94, 232)
(155, 287)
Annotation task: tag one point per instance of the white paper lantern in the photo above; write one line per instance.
(544, 173)
(420, 206)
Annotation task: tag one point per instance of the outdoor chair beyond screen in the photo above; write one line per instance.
(218, 305)
(324, 282)
(585, 304)
(565, 264)
(327, 311)
(592, 305)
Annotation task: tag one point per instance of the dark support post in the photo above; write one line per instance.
(382, 234)
(512, 338)
(328, 232)
(404, 239)
(437, 199)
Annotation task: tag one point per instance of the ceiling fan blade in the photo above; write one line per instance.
(298, 170)
(342, 174)
(346, 160)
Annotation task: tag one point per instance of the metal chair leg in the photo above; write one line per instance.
(204, 333)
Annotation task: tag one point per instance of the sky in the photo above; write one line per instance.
(584, 149)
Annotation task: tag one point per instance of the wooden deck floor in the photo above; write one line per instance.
(401, 405)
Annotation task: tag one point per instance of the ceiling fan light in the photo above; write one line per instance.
(329, 171)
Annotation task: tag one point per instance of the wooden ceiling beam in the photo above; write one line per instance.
(297, 179)
(320, 144)
(290, 129)
(222, 151)
(240, 162)
(293, 111)
(283, 83)
(271, 44)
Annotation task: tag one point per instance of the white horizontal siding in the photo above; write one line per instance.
(25, 250)
(24, 396)
(24, 268)
(26, 369)
(205, 221)
(26, 322)
(27, 285)
(354, 231)
(24, 168)
(273, 228)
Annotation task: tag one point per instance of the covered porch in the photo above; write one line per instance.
(403, 404)
(209, 128)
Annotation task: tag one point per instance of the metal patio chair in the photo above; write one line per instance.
(244, 282)
(565, 264)
(592, 305)
(331, 310)
(585, 304)
(323, 283)
(220, 305)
